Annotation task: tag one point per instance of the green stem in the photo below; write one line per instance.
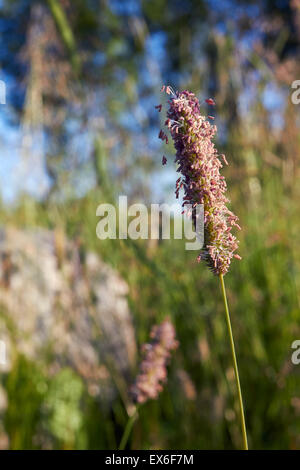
(128, 429)
(66, 32)
(236, 370)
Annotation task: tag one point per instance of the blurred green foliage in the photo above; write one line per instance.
(263, 294)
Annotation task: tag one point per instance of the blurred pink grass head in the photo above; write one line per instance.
(153, 369)
(199, 164)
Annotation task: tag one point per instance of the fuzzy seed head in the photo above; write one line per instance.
(199, 165)
(153, 369)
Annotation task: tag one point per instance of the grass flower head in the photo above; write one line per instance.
(153, 369)
(199, 164)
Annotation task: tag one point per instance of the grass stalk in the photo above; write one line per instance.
(235, 365)
(128, 428)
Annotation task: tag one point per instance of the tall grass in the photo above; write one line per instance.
(263, 291)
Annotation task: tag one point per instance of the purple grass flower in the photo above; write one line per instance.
(153, 369)
(199, 164)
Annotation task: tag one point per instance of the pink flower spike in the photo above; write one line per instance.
(199, 165)
(153, 368)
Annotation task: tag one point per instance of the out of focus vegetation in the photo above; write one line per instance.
(83, 79)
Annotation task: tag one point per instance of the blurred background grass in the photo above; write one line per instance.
(79, 128)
